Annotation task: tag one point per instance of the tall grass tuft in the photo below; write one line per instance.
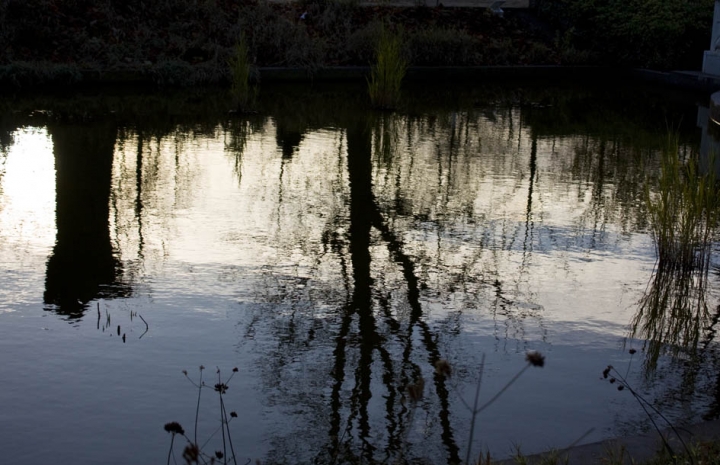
(387, 73)
(242, 90)
(683, 208)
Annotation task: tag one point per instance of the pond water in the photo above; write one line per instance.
(333, 255)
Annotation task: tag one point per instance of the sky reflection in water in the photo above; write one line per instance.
(332, 255)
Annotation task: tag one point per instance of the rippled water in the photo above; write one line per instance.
(333, 255)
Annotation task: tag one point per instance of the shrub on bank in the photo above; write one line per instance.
(166, 38)
(443, 46)
(644, 33)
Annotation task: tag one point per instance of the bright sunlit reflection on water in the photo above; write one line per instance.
(27, 212)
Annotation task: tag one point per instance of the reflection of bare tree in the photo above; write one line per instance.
(364, 215)
(431, 219)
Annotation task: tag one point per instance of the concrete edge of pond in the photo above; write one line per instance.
(632, 449)
(421, 73)
(13, 76)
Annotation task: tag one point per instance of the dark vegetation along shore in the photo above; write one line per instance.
(189, 42)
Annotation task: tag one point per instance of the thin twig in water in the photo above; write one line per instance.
(147, 327)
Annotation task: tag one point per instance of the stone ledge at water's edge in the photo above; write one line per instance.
(514, 4)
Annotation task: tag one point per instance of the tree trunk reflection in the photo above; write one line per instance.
(83, 265)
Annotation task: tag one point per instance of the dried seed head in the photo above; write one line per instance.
(202, 367)
(612, 380)
(184, 372)
(621, 387)
(174, 428)
(233, 414)
(443, 368)
(535, 358)
(191, 454)
(235, 370)
(632, 351)
(221, 388)
(606, 371)
(219, 454)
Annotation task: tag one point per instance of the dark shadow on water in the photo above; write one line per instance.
(83, 265)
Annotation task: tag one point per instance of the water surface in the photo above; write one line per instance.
(333, 255)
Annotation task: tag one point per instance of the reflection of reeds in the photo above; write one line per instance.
(683, 214)
(386, 138)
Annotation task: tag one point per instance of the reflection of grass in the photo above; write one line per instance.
(683, 214)
(388, 71)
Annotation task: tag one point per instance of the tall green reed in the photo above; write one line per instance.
(387, 72)
(242, 90)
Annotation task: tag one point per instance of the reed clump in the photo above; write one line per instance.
(387, 72)
(683, 210)
(242, 88)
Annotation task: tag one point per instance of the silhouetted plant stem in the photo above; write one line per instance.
(533, 358)
(227, 425)
(501, 391)
(197, 408)
(172, 440)
(194, 453)
(223, 420)
(644, 403)
(474, 410)
(173, 428)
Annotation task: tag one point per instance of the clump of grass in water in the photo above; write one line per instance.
(243, 92)
(193, 452)
(387, 73)
(683, 211)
